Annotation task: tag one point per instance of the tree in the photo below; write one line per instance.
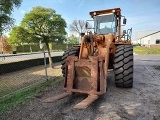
(19, 35)
(6, 8)
(78, 26)
(45, 25)
(72, 40)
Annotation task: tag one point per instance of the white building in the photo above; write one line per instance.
(149, 39)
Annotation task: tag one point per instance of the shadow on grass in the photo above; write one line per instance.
(11, 101)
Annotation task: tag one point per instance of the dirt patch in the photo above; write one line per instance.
(142, 102)
(17, 80)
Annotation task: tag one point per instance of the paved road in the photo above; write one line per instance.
(147, 59)
(20, 57)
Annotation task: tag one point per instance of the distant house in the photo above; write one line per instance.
(149, 39)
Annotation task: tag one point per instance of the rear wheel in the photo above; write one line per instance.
(123, 66)
(73, 51)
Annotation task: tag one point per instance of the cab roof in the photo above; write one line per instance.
(107, 11)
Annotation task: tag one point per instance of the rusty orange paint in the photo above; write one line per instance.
(87, 73)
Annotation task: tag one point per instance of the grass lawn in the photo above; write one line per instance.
(144, 50)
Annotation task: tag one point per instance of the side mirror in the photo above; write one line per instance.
(86, 25)
(124, 32)
(124, 21)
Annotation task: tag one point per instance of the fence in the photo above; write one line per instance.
(32, 48)
(18, 71)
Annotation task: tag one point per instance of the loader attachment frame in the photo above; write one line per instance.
(90, 79)
(87, 71)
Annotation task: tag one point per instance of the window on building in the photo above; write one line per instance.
(158, 41)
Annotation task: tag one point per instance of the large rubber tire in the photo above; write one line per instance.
(73, 51)
(123, 66)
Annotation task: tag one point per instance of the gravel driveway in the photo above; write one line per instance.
(142, 102)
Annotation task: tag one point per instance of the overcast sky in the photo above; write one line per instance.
(141, 14)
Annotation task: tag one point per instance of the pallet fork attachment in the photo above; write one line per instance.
(83, 76)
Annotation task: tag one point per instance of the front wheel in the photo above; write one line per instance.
(73, 51)
(123, 66)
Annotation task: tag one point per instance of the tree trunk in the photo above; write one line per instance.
(49, 56)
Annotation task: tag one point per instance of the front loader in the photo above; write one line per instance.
(103, 47)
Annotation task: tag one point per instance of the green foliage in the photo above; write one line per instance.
(26, 48)
(61, 47)
(17, 35)
(14, 48)
(13, 38)
(36, 48)
(44, 24)
(6, 7)
(72, 40)
(6, 23)
(20, 35)
(41, 24)
(144, 50)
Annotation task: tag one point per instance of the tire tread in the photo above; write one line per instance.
(123, 66)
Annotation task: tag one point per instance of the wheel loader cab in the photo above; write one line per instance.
(105, 24)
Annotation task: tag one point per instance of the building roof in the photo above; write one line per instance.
(143, 34)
